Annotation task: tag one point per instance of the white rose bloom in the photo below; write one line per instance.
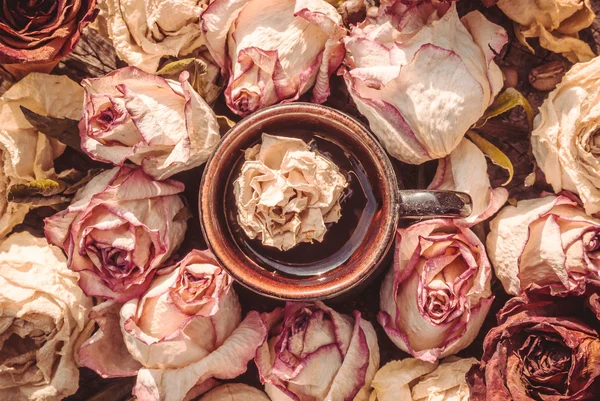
(42, 315)
(566, 135)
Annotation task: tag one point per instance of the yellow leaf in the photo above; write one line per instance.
(45, 187)
(507, 100)
(495, 155)
(225, 124)
(178, 66)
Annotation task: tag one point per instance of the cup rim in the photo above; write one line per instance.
(266, 283)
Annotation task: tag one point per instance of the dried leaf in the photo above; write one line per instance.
(81, 180)
(178, 66)
(119, 389)
(37, 188)
(493, 153)
(507, 100)
(225, 124)
(62, 129)
(183, 215)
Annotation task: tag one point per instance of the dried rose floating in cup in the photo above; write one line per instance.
(287, 193)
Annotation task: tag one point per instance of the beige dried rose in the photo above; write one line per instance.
(566, 135)
(555, 22)
(43, 313)
(144, 31)
(25, 154)
(415, 380)
(286, 193)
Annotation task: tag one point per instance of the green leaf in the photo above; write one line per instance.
(64, 130)
(507, 100)
(493, 153)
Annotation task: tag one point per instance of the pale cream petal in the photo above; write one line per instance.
(286, 193)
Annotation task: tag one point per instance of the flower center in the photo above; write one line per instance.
(19, 345)
(193, 287)
(546, 364)
(116, 262)
(28, 15)
(593, 143)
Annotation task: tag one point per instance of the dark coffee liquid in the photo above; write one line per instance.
(342, 239)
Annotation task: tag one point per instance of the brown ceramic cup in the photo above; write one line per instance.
(359, 261)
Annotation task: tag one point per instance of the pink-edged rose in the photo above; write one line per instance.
(549, 241)
(315, 353)
(162, 125)
(119, 229)
(273, 51)
(435, 298)
(178, 337)
(35, 35)
(422, 76)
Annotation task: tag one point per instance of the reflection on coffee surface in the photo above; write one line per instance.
(299, 204)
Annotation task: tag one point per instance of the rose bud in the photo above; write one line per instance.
(549, 242)
(555, 22)
(161, 125)
(566, 135)
(145, 31)
(43, 314)
(422, 76)
(235, 392)
(25, 154)
(315, 353)
(118, 230)
(415, 380)
(35, 35)
(273, 52)
(183, 333)
(435, 298)
(465, 170)
(544, 348)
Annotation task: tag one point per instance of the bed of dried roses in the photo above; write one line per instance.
(116, 279)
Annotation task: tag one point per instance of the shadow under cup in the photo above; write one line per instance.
(347, 266)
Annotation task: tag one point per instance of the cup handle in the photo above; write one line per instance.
(430, 204)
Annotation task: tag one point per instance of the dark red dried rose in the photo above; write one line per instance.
(36, 34)
(546, 348)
